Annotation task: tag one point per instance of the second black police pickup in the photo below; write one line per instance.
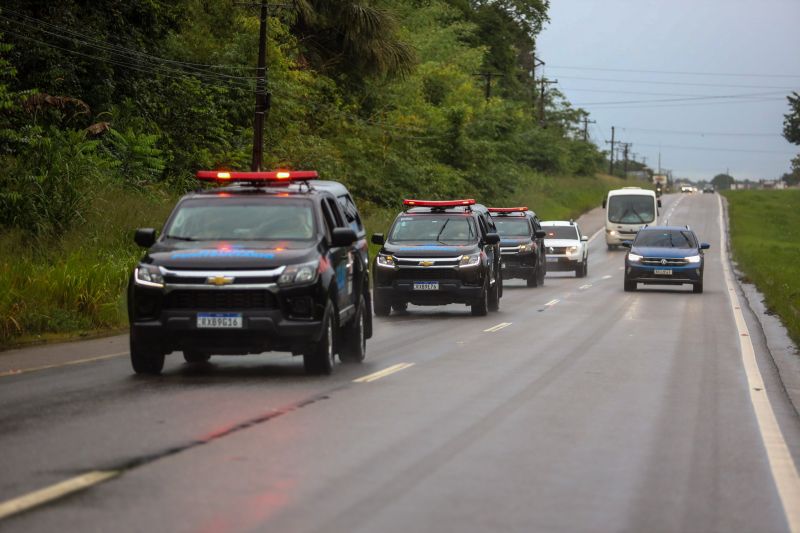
(521, 244)
(264, 264)
(436, 253)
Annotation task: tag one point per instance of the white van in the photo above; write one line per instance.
(627, 210)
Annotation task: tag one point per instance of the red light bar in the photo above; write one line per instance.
(439, 203)
(276, 175)
(507, 209)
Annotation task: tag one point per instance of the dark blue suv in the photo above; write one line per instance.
(665, 255)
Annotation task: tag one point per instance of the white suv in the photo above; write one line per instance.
(566, 247)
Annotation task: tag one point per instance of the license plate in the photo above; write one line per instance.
(552, 259)
(426, 285)
(219, 320)
(659, 272)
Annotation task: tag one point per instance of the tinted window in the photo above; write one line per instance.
(513, 227)
(665, 239)
(561, 232)
(434, 228)
(217, 219)
(350, 212)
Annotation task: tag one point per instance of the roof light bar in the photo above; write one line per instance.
(507, 209)
(276, 175)
(439, 203)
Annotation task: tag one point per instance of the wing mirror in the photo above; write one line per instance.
(492, 238)
(705, 246)
(627, 244)
(540, 234)
(604, 203)
(659, 202)
(343, 237)
(377, 238)
(584, 238)
(145, 237)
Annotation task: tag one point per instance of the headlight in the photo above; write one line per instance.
(296, 274)
(693, 259)
(386, 261)
(149, 276)
(634, 258)
(572, 249)
(612, 232)
(525, 248)
(469, 260)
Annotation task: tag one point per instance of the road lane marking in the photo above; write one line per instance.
(584, 287)
(54, 492)
(784, 471)
(552, 302)
(18, 371)
(498, 327)
(607, 276)
(596, 234)
(383, 373)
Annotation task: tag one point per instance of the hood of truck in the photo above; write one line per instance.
(230, 255)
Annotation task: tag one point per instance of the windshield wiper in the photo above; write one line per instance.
(178, 238)
(635, 212)
(438, 235)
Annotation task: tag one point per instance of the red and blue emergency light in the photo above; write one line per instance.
(507, 209)
(439, 203)
(278, 176)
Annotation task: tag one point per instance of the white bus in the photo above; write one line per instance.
(627, 210)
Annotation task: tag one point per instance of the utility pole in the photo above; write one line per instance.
(545, 82)
(487, 75)
(611, 153)
(625, 148)
(586, 123)
(262, 96)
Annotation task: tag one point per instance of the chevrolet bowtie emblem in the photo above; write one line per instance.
(425, 263)
(663, 261)
(219, 280)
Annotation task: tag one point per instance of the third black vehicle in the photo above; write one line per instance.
(521, 244)
(436, 253)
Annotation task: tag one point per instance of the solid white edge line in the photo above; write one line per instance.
(784, 471)
(54, 492)
(17, 372)
(596, 234)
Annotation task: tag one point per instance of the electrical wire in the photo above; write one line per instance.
(679, 73)
(679, 83)
(687, 99)
(707, 148)
(699, 133)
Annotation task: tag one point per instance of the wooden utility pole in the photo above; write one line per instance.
(545, 82)
(586, 123)
(625, 148)
(611, 153)
(487, 76)
(262, 96)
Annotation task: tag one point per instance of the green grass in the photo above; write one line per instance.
(765, 235)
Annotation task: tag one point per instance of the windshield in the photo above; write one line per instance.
(434, 228)
(631, 209)
(242, 219)
(561, 232)
(665, 239)
(512, 227)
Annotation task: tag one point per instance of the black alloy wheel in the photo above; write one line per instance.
(481, 306)
(319, 358)
(354, 341)
(145, 361)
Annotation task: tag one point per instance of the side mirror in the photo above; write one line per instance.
(705, 246)
(584, 238)
(492, 238)
(541, 234)
(627, 244)
(145, 237)
(659, 202)
(604, 203)
(377, 238)
(343, 237)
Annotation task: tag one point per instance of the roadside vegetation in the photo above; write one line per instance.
(765, 235)
(108, 108)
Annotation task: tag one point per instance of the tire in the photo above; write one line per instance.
(542, 272)
(354, 338)
(319, 358)
(580, 272)
(380, 307)
(493, 296)
(196, 357)
(481, 307)
(630, 286)
(145, 361)
(586, 267)
(533, 281)
(400, 307)
(697, 288)
(611, 247)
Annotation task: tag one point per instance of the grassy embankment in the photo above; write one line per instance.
(765, 235)
(76, 287)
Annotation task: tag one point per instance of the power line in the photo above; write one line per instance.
(687, 99)
(707, 148)
(679, 83)
(702, 133)
(690, 104)
(638, 93)
(680, 73)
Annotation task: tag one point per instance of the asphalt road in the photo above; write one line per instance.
(577, 407)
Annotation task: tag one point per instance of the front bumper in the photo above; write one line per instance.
(615, 237)
(679, 274)
(518, 265)
(562, 263)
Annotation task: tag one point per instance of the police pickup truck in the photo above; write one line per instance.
(266, 262)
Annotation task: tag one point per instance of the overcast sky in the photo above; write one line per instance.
(755, 43)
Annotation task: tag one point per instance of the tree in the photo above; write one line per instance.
(722, 181)
(793, 178)
(791, 120)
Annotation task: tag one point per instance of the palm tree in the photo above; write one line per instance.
(352, 37)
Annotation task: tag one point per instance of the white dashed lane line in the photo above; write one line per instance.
(498, 327)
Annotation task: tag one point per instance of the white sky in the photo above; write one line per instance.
(757, 40)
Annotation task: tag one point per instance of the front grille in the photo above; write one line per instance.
(424, 274)
(219, 299)
(657, 261)
(186, 280)
(556, 249)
